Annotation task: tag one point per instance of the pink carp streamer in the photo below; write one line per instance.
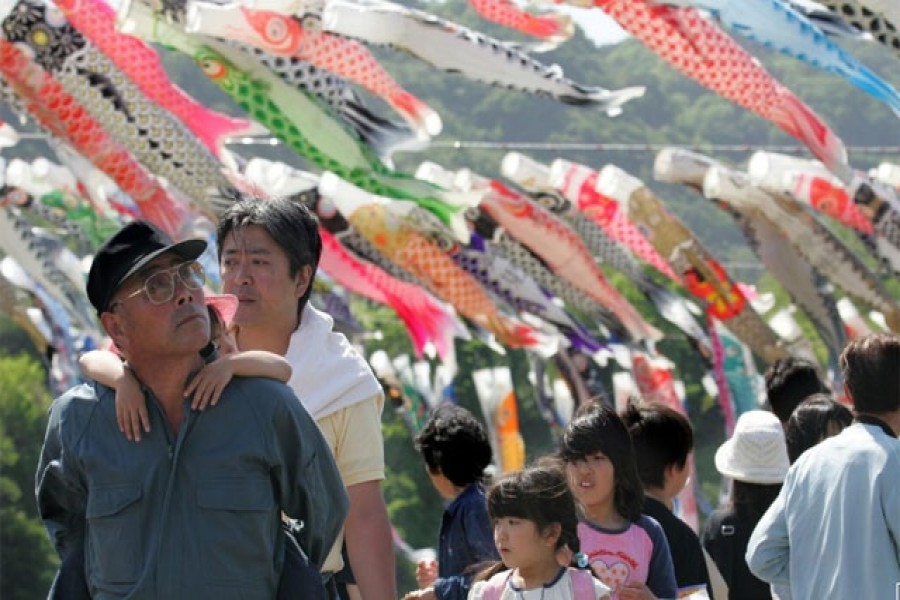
(718, 348)
(414, 252)
(426, 320)
(95, 20)
(282, 35)
(578, 184)
(702, 51)
(554, 28)
(65, 118)
(567, 256)
(654, 379)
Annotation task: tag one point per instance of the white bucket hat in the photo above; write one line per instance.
(756, 452)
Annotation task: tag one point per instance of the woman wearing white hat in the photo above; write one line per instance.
(756, 459)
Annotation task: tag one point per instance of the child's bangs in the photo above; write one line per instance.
(580, 442)
(504, 501)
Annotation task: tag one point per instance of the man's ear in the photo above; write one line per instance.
(849, 397)
(113, 326)
(304, 277)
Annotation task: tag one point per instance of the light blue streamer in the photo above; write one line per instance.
(776, 25)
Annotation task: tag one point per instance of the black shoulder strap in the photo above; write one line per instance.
(727, 535)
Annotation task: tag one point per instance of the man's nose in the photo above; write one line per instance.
(183, 294)
(241, 274)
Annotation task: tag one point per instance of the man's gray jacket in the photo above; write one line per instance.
(195, 514)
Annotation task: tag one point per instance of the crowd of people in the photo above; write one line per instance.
(187, 468)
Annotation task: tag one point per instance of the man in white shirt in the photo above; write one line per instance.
(834, 530)
(268, 252)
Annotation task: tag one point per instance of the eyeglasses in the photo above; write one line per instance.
(160, 287)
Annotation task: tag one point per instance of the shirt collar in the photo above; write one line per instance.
(870, 420)
(471, 489)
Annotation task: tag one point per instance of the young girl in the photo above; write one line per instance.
(627, 550)
(205, 388)
(535, 522)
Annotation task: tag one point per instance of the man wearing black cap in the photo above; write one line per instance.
(194, 511)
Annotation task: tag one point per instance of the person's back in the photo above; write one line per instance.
(725, 538)
(755, 459)
(841, 502)
(833, 530)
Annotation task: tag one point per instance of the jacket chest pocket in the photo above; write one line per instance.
(238, 525)
(115, 541)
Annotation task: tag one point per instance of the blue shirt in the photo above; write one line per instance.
(834, 530)
(466, 539)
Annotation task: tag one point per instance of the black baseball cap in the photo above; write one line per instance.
(126, 252)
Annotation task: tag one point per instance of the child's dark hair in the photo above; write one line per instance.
(597, 428)
(216, 324)
(662, 437)
(816, 418)
(540, 494)
(455, 443)
(752, 500)
(789, 381)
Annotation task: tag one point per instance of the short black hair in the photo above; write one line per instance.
(813, 420)
(790, 381)
(871, 370)
(289, 223)
(456, 443)
(662, 437)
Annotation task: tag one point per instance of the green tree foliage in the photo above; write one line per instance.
(28, 560)
(15, 339)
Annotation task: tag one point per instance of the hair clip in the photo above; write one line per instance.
(581, 559)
